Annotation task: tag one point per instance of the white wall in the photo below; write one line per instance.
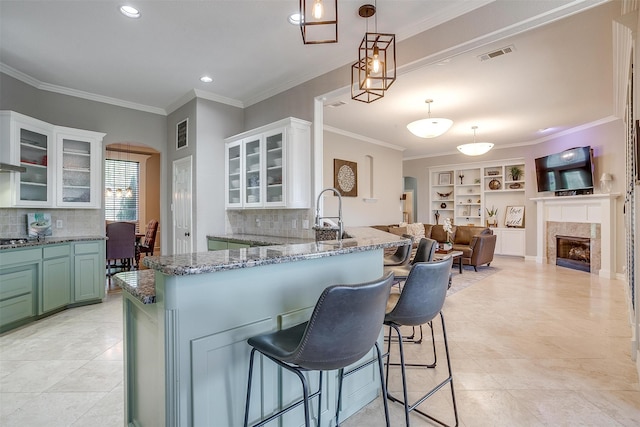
(387, 181)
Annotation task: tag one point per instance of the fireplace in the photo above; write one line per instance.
(573, 252)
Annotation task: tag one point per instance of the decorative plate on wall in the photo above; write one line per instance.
(494, 184)
(345, 177)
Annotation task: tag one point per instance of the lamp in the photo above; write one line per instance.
(605, 182)
(475, 148)
(375, 70)
(431, 126)
(319, 21)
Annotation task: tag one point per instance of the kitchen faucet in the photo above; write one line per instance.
(339, 217)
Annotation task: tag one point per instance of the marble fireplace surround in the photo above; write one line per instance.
(591, 216)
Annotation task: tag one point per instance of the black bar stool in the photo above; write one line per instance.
(344, 326)
(420, 301)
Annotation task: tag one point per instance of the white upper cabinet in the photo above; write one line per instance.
(63, 165)
(78, 168)
(269, 167)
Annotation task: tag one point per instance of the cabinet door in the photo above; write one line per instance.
(17, 287)
(512, 242)
(253, 175)
(88, 282)
(79, 168)
(56, 284)
(274, 170)
(233, 175)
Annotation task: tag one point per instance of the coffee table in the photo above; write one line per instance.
(453, 254)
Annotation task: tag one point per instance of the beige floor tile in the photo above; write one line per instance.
(530, 345)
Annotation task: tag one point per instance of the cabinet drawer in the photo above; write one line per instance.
(8, 257)
(87, 248)
(55, 251)
(17, 282)
(16, 308)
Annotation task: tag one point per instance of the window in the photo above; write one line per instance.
(122, 185)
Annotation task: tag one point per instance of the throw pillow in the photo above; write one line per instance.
(416, 230)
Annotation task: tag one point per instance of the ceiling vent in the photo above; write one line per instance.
(336, 104)
(496, 53)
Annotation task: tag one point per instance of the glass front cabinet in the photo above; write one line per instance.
(78, 170)
(269, 167)
(63, 165)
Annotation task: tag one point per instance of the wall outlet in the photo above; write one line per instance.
(294, 224)
(59, 223)
(258, 222)
(305, 224)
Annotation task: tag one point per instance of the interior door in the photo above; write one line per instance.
(182, 210)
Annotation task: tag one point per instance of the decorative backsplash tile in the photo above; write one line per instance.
(75, 222)
(271, 222)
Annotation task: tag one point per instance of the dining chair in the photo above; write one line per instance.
(121, 245)
(147, 244)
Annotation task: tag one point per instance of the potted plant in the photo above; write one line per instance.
(448, 228)
(515, 173)
(492, 220)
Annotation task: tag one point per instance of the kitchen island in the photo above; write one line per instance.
(185, 351)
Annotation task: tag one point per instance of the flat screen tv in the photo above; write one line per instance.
(568, 170)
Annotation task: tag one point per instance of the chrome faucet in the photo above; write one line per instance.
(339, 217)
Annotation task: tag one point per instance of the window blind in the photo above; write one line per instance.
(119, 176)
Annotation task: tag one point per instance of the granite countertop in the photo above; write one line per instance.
(141, 284)
(284, 250)
(49, 241)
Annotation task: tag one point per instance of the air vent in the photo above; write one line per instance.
(496, 53)
(336, 104)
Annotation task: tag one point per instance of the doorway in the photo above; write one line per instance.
(145, 188)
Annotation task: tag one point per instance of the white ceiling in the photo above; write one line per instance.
(559, 77)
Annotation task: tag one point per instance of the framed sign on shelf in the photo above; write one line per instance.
(514, 216)
(182, 133)
(444, 178)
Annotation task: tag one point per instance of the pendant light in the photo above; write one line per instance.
(430, 127)
(475, 148)
(375, 70)
(319, 21)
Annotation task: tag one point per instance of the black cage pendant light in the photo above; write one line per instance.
(319, 21)
(375, 70)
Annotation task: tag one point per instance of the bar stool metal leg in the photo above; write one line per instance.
(405, 401)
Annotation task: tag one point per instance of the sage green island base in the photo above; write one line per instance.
(186, 356)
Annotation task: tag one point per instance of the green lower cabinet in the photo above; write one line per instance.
(19, 277)
(55, 291)
(218, 245)
(89, 271)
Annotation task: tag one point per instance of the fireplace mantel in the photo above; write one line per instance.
(592, 209)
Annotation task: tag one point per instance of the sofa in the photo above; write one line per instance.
(476, 243)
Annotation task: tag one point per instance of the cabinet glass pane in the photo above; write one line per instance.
(252, 177)
(33, 156)
(234, 174)
(274, 168)
(76, 171)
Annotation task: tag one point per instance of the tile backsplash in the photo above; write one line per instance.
(75, 222)
(271, 222)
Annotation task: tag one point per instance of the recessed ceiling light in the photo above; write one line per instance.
(130, 11)
(206, 79)
(295, 19)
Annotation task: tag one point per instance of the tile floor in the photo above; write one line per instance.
(531, 345)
